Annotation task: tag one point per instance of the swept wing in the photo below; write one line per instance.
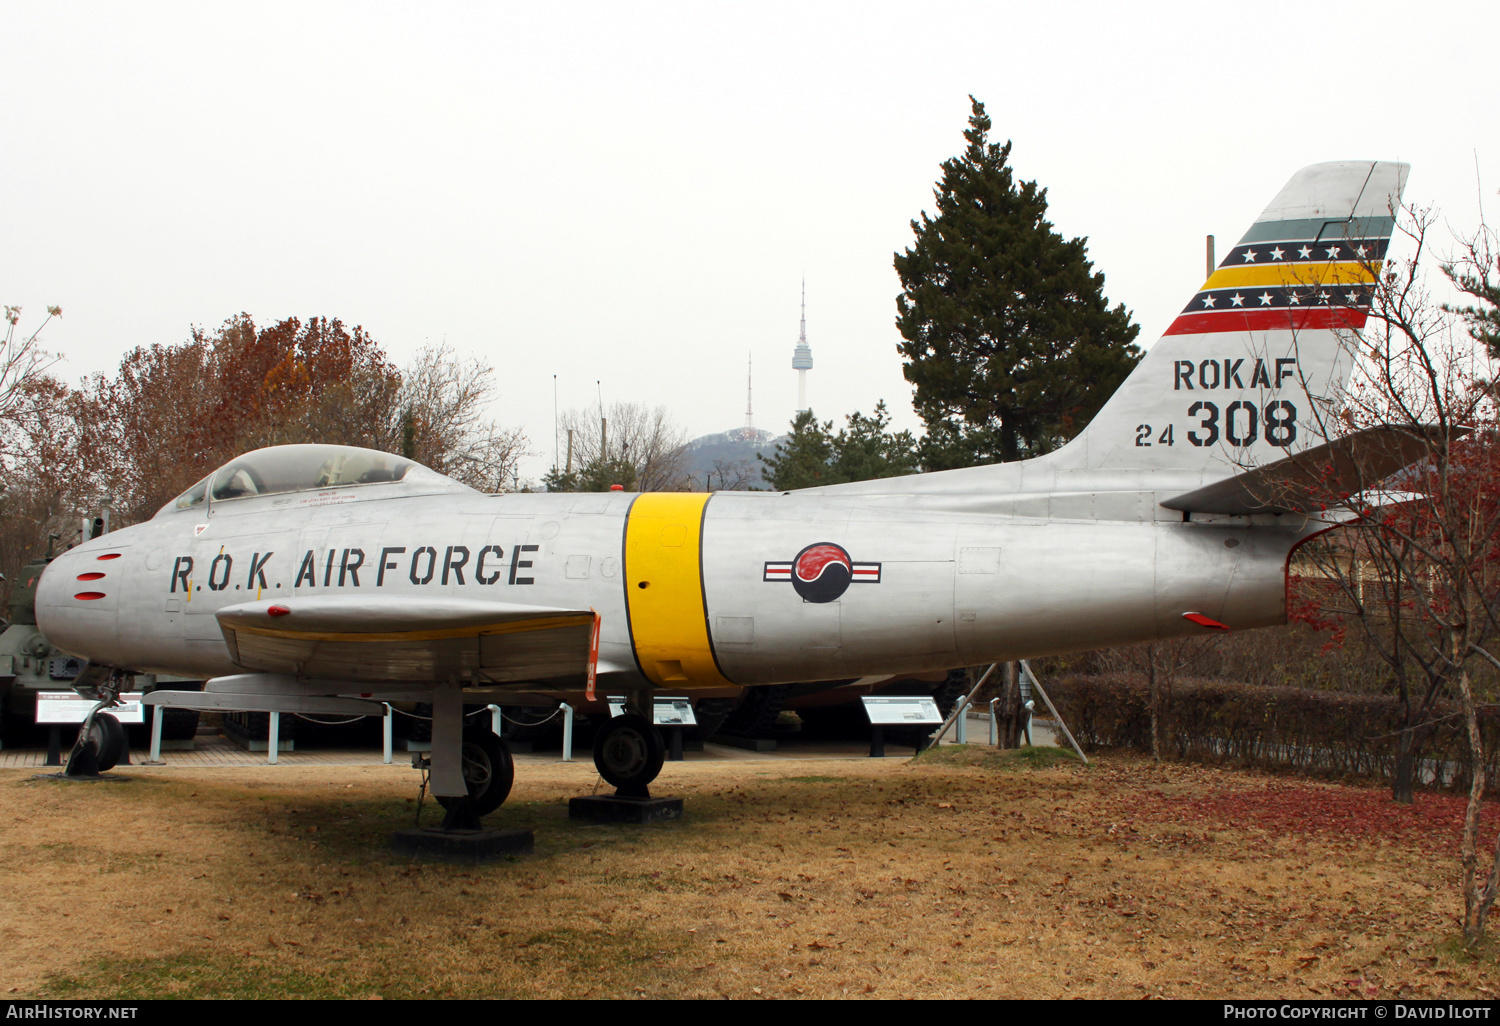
(404, 638)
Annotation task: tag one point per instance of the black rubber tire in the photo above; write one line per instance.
(629, 752)
(756, 714)
(489, 771)
(108, 736)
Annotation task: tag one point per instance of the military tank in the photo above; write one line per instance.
(30, 664)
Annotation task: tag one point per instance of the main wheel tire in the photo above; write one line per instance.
(629, 752)
(488, 771)
(108, 738)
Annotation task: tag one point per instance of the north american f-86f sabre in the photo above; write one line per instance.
(328, 579)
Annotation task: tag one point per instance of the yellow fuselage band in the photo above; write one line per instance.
(664, 590)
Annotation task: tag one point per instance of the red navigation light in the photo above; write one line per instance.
(277, 611)
(1205, 621)
(617, 488)
(89, 577)
(110, 555)
(89, 596)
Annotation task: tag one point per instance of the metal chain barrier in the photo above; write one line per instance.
(530, 723)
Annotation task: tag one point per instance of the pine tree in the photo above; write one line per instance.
(813, 455)
(1476, 272)
(595, 476)
(1009, 344)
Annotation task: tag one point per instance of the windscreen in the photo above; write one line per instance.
(296, 468)
(300, 468)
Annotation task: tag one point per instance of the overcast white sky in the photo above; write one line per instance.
(632, 192)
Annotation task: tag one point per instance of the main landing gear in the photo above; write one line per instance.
(471, 773)
(629, 753)
(488, 772)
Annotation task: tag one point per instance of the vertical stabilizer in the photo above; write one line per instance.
(1251, 369)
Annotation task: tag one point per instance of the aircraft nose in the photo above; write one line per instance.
(77, 603)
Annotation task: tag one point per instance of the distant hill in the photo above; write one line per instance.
(727, 460)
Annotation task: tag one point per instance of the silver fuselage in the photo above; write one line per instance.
(948, 580)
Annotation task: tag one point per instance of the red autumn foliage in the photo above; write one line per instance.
(1357, 814)
(174, 413)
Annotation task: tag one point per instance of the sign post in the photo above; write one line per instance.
(59, 707)
(898, 711)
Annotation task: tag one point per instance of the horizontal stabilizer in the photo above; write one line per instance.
(1317, 479)
(407, 639)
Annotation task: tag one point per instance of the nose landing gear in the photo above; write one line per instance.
(102, 742)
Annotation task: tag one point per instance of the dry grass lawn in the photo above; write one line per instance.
(959, 875)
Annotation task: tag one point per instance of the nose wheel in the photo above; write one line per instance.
(101, 745)
(101, 739)
(629, 753)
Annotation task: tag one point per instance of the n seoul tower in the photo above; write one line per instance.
(802, 358)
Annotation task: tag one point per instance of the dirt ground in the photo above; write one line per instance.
(964, 874)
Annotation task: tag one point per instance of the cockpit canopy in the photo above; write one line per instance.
(284, 469)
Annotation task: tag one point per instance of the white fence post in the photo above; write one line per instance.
(158, 714)
(567, 731)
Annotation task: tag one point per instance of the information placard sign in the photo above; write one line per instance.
(902, 710)
(668, 712)
(71, 707)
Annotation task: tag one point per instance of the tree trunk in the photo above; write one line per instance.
(1478, 897)
(1402, 781)
(1153, 679)
(1008, 710)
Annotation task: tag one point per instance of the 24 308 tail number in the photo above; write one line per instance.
(1242, 425)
